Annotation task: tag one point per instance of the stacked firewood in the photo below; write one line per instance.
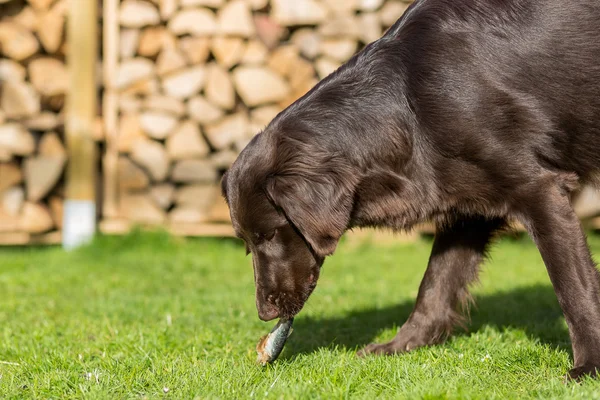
(197, 79)
(33, 84)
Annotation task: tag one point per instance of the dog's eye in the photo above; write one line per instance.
(266, 236)
(271, 234)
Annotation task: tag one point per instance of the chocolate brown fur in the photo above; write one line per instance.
(465, 113)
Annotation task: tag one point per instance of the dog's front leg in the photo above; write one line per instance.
(557, 232)
(454, 263)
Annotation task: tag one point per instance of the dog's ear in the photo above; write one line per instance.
(224, 187)
(316, 194)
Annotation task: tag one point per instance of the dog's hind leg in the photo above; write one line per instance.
(551, 221)
(457, 252)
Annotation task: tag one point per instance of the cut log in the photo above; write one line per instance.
(158, 124)
(370, 27)
(8, 223)
(61, 6)
(202, 3)
(5, 155)
(56, 210)
(167, 8)
(299, 12)
(27, 18)
(195, 49)
(223, 159)
(227, 51)
(19, 99)
(168, 61)
(391, 12)
(370, 5)
(131, 177)
(133, 71)
(165, 104)
(128, 43)
(163, 195)
(219, 212)
(283, 59)
(257, 4)
(219, 88)
(299, 91)
(255, 53)
(152, 157)
(325, 67)
(141, 208)
(197, 196)
(16, 139)
(308, 42)
(259, 85)
(235, 19)
(223, 134)
(342, 6)
(12, 199)
(241, 144)
(35, 218)
(138, 13)
(45, 121)
(51, 146)
(129, 104)
(338, 49)
(187, 215)
(11, 71)
(41, 175)
(262, 116)
(194, 171)
(50, 29)
(155, 38)
(41, 4)
(130, 130)
(10, 174)
(203, 112)
(16, 41)
(187, 142)
(185, 83)
(193, 21)
(144, 87)
(269, 31)
(301, 73)
(48, 76)
(340, 25)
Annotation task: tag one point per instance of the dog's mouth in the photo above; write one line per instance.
(290, 304)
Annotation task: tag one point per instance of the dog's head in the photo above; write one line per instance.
(290, 202)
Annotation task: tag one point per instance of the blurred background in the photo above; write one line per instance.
(139, 106)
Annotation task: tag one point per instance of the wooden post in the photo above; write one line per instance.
(110, 105)
(80, 205)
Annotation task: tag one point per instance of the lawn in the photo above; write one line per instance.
(149, 316)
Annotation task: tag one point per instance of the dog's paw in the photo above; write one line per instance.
(380, 349)
(588, 370)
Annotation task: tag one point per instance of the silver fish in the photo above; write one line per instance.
(270, 346)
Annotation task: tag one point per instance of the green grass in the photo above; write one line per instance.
(128, 317)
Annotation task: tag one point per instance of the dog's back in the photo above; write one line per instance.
(517, 76)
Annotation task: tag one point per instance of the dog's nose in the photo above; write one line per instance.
(267, 312)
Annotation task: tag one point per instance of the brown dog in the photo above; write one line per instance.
(466, 113)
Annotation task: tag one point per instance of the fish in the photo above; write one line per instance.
(270, 346)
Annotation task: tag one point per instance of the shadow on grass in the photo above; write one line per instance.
(533, 309)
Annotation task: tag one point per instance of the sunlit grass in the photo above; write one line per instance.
(149, 316)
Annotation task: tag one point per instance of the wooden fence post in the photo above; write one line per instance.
(80, 205)
(110, 99)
